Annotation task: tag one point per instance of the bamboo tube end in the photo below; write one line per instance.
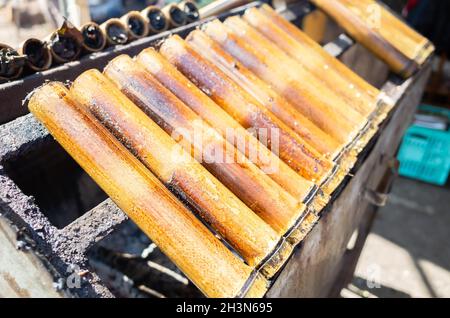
(409, 70)
(157, 20)
(277, 260)
(65, 43)
(364, 139)
(39, 57)
(334, 180)
(137, 24)
(299, 234)
(347, 161)
(175, 15)
(425, 52)
(191, 10)
(116, 31)
(319, 202)
(258, 288)
(94, 38)
(6, 52)
(41, 94)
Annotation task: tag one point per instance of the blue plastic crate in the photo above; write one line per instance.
(425, 153)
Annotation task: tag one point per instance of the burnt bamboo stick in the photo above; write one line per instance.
(175, 15)
(281, 108)
(157, 20)
(137, 25)
(311, 60)
(166, 159)
(362, 33)
(65, 44)
(263, 195)
(306, 42)
(177, 232)
(116, 31)
(190, 8)
(39, 57)
(94, 38)
(230, 129)
(11, 63)
(293, 150)
(312, 83)
(284, 84)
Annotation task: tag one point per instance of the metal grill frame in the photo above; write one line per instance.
(61, 248)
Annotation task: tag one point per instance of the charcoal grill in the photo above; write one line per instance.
(58, 225)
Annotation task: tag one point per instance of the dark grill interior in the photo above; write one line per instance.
(62, 190)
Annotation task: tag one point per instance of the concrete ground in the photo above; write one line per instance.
(407, 254)
(12, 35)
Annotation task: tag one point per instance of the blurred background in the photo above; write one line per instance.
(407, 253)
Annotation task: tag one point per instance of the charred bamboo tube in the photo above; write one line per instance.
(308, 58)
(230, 129)
(309, 106)
(137, 25)
(293, 150)
(94, 38)
(179, 234)
(233, 220)
(359, 83)
(209, 49)
(116, 31)
(265, 197)
(175, 15)
(38, 55)
(315, 85)
(11, 63)
(362, 32)
(65, 43)
(392, 28)
(157, 20)
(191, 10)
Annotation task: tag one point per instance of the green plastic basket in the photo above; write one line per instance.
(425, 153)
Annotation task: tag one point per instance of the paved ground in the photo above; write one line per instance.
(12, 35)
(407, 253)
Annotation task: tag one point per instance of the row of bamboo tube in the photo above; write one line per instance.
(181, 120)
(402, 48)
(68, 43)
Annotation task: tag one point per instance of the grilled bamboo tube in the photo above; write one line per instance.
(65, 43)
(315, 85)
(191, 10)
(372, 40)
(175, 15)
(360, 85)
(179, 234)
(311, 60)
(393, 29)
(298, 154)
(94, 38)
(116, 31)
(231, 218)
(136, 23)
(309, 106)
(209, 49)
(157, 20)
(230, 129)
(273, 204)
(38, 55)
(11, 63)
